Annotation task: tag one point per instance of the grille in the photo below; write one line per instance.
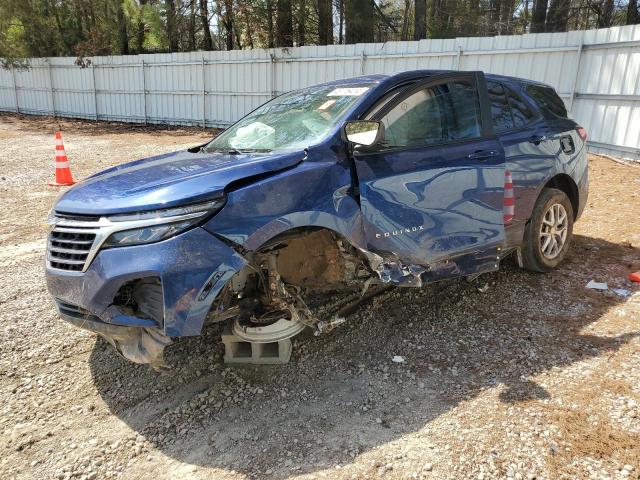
(70, 243)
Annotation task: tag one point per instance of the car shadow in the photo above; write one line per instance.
(342, 395)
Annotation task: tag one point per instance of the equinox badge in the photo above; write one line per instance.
(401, 231)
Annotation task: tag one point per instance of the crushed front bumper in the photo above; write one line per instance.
(192, 268)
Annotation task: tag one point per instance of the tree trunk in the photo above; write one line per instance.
(494, 16)
(420, 20)
(192, 25)
(123, 39)
(404, 36)
(140, 34)
(300, 20)
(360, 21)
(526, 16)
(284, 19)
(558, 16)
(341, 15)
(633, 15)
(227, 20)
(270, 24)
(206, 31)
(539, 17)
(325, 22)
(172, 33)
(604, 20)
(506, 17)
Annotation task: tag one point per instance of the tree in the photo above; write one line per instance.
(141, 26)
(420, 20)
(558, 16)
(539, 17)
(359, 18)
(633, 15)
(206, 30)
(284, 22)
(227, 22)
(301, 19)
(172, 28)
(325, 22)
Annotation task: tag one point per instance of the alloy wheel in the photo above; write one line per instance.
(553, 231)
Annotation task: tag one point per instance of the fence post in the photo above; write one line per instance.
(51, 92)
(458, 57)
(575, 78)
(144, 91)
(95, 92)
(15, 88)
(204, 96)
(363, 58)
(273, 74)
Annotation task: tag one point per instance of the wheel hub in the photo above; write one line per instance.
(553, 231)
(279, 330)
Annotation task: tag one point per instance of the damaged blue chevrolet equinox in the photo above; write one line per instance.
(404, 180)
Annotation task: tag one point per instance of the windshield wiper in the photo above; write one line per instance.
(235, 151)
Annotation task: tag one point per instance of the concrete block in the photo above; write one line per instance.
(238, 351)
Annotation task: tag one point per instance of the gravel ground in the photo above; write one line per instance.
(534, 377)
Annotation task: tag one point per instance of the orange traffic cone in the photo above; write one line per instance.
(63, 172)
(508, 202)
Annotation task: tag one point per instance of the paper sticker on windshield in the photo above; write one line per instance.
(326, 105)
(347, 92)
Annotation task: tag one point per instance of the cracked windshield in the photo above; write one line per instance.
(292, 121)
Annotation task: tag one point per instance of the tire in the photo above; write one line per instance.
(539, 253)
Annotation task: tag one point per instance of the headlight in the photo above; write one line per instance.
(157, 225)
(139, 236)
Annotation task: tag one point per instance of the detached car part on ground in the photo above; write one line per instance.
(379, 180)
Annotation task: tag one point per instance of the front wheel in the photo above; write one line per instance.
(548, 234)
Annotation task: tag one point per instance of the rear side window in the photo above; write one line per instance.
(436, 114)
(548, 100)
(500, 110)
(520, 110)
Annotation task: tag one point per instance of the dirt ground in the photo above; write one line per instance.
(534, 377)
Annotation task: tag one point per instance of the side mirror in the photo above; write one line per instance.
(364, 132)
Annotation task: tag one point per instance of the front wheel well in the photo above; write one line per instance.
(565, 183)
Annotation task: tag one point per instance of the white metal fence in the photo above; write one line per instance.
(597, 72)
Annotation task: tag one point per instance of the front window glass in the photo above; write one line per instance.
(294, 120)
(436, 114)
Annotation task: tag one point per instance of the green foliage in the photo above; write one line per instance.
(84, 28)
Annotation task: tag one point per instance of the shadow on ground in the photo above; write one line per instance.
(341, 395)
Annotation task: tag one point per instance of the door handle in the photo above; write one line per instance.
(480, 154)
(537, 139)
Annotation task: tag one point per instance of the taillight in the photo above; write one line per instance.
(582, 132)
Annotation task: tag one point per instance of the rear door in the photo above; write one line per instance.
(432, 193)
(530, 150)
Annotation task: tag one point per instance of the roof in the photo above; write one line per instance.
(411, 74)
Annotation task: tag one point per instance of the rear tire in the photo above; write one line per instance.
(549, 232)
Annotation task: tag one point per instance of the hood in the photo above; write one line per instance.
(167, 181)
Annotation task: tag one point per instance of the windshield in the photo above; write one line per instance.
(294, 120)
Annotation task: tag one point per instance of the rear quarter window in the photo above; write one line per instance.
(547, 100)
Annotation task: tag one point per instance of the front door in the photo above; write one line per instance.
(432, 192)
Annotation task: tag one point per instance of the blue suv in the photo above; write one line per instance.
(403, 179)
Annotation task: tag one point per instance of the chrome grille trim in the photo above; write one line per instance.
(68, 248)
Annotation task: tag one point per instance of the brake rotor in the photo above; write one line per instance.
(279, 330)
